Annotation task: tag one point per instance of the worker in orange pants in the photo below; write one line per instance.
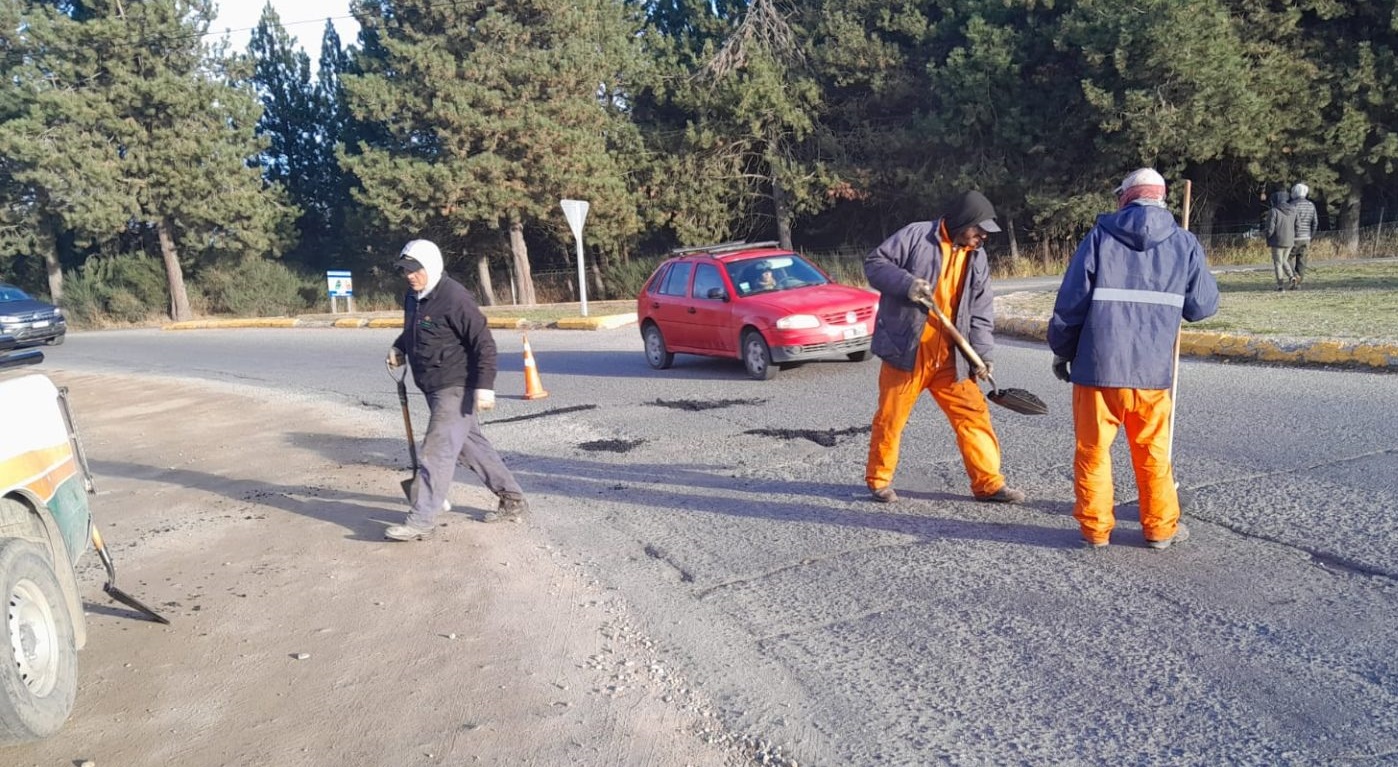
(1132, 281)
(1098, 412)
(941, 262)
(965, 408)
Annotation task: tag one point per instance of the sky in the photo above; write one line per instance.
(303, 20)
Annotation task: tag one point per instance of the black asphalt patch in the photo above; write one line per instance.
(824, 438)
(545, 414)
(694, 405)
(612, 445)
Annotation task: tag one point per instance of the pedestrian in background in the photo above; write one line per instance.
(452, 355)
(1306, 224)
(941, 262)
(1128, 285)
(1281, 236)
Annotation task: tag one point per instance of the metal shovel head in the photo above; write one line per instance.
(134, 603)
(1018, 400)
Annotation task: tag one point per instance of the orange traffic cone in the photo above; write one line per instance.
(533, 387)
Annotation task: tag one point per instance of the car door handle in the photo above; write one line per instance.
(692, 310)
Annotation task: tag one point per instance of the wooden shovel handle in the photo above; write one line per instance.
(961, 343)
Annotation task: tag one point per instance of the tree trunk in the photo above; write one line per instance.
(599, 286)
(51, 263)
(520, 251)
(487, 296)
(1014, 243)
(779, 198)
(179, 298)
(1349, 221)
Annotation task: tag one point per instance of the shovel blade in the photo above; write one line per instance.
(408, 487)
(1019, 401)
(134, 603)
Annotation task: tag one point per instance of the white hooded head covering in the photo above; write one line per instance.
(1300, 191)
(422, 254)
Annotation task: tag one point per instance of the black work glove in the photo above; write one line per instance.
(1060, 370)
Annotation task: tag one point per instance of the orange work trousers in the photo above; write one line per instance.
(1145, 413)
(965, 409)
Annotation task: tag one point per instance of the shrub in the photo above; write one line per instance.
(122, 288)
(254, 288)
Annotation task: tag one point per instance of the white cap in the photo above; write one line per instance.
(1141, 177)
(1299, 191)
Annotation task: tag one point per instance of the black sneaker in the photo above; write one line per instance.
(511, 509)
(1181, 535)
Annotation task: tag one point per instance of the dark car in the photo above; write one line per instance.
(28, 320)
(752, 301)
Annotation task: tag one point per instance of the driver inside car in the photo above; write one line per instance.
(767, 280)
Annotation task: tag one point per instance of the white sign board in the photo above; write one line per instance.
(576, 212)
(339, 284)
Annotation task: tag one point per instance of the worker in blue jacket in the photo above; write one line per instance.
(1134, 277)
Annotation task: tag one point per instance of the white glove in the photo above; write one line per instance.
(485, 400)
(395, 358)
(921, 290)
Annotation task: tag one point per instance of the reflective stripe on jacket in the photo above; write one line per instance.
(916, 251)
(1131, 281)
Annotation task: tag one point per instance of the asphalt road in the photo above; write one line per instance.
(731, 515)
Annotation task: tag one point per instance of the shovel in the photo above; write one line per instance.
(110, 586)
(401, 379)
(97, 543)
(1017, 400)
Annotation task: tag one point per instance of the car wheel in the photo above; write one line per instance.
(56, 341)
(859, 356)
(757, 358)
(657, 355)
(39, 660)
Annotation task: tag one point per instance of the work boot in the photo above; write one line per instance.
(511, 509)
(1095, 545)
(883, 494)
(1181, 534)
(1005, 494)
(408, 533)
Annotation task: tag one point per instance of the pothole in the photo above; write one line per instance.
(612, 445)
(544, 414)
(824, 438)
(694, 405)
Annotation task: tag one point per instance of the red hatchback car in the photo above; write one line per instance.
(753, 301)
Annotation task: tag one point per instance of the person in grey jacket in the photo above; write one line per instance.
(940, 262)
(1281, 236)
(1306, 224)
(452, 355)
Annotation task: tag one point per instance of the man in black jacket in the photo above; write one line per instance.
(452, 355)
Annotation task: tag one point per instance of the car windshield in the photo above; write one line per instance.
(772, 273)
(8, 293)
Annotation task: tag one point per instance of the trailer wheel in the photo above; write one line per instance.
(39, 660)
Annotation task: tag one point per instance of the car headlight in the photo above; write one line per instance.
(799, 322)
(57, 312)
(8, 318)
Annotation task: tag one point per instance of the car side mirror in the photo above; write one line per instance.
(717, 293)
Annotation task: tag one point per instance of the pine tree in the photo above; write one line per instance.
(130, 123)
(489, 113)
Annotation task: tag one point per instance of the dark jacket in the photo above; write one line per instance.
(1131, 281)
(915, 251)
(446, 339)
(1281, 221)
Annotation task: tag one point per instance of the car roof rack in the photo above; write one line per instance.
(725, 247)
